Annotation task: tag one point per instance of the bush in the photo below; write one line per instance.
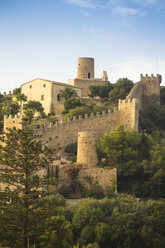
(72, 103)
(66, 191)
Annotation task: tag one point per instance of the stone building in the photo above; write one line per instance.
(47, 92)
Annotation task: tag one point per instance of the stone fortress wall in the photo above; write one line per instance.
(146, 91)
(86, 128)
(66, 132)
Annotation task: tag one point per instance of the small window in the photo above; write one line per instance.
(44, 85)
(58, 97)
(30, 86)
(42, 97)
(89, 75)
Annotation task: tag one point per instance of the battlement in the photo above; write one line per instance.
(75, 119)
(12, 121)
(146, 77)
(11, 117)
(6, 94)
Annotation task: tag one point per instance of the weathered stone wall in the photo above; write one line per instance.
(85, 68)
(136, 92)
(85, 83)
(12, 121)
(106, 178)
(146, 91)
(86, 154)
(129, 113)
(151, 89)
(63, 133)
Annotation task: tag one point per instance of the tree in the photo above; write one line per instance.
(155, 171)
(72, 103)
(120, 90)
(58, 233)
(31, 108)
(23, 159)
(20, 97)
(156, 114)
(100, 90)
(162, 96)
(125, 150)
(68, 93)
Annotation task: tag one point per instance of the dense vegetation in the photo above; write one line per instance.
(139, 159)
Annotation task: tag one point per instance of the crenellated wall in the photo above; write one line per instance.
(146, 91)
(12, 121)
(63, 132)
(129, 113)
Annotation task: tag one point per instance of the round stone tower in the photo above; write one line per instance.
(85, 68)
(86, 154)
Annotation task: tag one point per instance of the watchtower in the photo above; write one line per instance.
(86, 154)
(85, 68)
(150, 89)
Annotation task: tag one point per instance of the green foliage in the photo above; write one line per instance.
(127, 150)
(68, 92)
(87, 109)
(152, 118)
(125, 222)
(58, 233)
(34, 105)
(120, 90)
(30, 109)
(155, 170)
(66, 191)
(71, 148)
(100, 90)
(162, 96)
(72, 103)
(22, 160)
(20, 97)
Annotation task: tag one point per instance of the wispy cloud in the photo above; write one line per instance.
(125, 11)
(81, 3)
(146, 2)
(132, 67)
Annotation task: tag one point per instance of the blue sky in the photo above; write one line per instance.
(44, 38)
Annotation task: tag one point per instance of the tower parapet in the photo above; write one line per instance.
(12, 121)
(150, 89)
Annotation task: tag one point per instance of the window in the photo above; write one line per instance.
(58, 97)
(30, 86)
(42, 97)
(44, 85)
(89, 75)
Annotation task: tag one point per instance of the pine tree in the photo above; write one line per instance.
(22, 160)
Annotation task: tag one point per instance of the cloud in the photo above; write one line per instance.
(81, 3)
(146, 2)
(132, 67)
(125, 11)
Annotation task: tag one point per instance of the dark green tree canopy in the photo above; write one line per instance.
(120, 90)
(100, 90)
(22, 158)
(72, 103)
(162, 96)
(68, 92)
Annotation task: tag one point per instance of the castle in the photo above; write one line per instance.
(83, 129)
